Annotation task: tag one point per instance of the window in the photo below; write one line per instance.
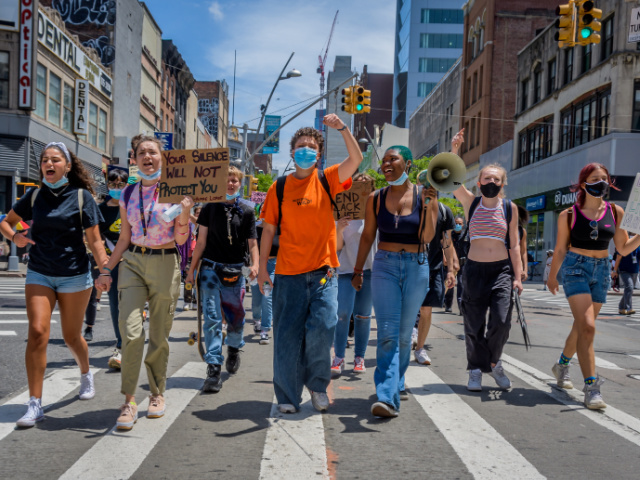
(480, 82)
(439, 65)
(568, 66)
(607, 38)
(55, 94)
(566, 122)
(4, 79)
(472, 133)
(41, 90)
(635, 121)
(551, 76)
(441, 16)
(468, 92)
(586, 57)
(424, 88)
(586, 121)
(465, 144)
(67, 105)
(537, 84)
(535, 142)
(93, 123)
(440, 40)
(475, 86)
(524, 86)
(478, 128)
(102, 130)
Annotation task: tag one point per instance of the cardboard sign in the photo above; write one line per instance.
(199, 174)
(258, 197)
(631, 219)
(353, 202)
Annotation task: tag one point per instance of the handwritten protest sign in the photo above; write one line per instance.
(199, 174)
(258, 197)
(352, 203)
(631, 220)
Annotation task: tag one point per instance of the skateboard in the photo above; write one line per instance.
(197, 336)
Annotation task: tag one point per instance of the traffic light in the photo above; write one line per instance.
(588, 23)
(348, 101)
(363, 100)
(253, 184)
(565, 36)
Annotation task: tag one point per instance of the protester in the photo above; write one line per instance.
(227, 232)
(351, 302)
(305, 289)
(492, 270)
(547, 269)
(406, 221)
(186, 252)
(582, 251)
(627, 270)
(58, 269)
(456, 238)
(150, 270)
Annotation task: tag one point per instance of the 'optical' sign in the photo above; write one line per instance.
(70, 53)
(81, 105)
(25, 99)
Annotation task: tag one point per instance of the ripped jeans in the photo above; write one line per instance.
(350, 301)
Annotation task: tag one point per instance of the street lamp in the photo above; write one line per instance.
(290, 74)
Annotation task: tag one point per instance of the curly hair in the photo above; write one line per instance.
(78, 175)
(308, 132)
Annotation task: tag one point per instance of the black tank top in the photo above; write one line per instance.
(582, 228)
(405, 231)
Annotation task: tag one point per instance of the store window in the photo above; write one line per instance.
(67, 105)
(93, 124)
(55, 99)
(4, 79)
(41, 90)
(535, 237)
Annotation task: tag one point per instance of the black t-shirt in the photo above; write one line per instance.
(110, 227)
(457, 244)
(274, 245)
(59, 249)
(445, 222)
(242, 227)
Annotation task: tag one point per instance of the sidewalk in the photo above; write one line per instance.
(22, 270)
(537, 285)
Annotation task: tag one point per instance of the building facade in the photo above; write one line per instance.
(151, 74)
(381, 87)
(335, 150)
(428, 41)
(213, 109)
(178, 84)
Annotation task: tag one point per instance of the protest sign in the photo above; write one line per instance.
(631, 220)
(199, 174)
(352, 203)
(258, 197)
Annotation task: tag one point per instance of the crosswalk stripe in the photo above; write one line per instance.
(22, 312)
(98, 461)
(637, 357)
(295, 445)
(7, 333)
(55, 388)
(602, 363)
(6, 322)
(493, 457)
(611, 418)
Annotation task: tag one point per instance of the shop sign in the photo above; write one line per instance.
(81, 104)
(561, 199)
(25, 87)
(536, 203)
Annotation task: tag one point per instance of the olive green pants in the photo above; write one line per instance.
(156, 278)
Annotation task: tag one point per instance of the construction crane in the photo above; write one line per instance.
(322, 60)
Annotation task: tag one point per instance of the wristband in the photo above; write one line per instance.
(343, 128)
(107, 269)
(105, 274)
(14, 236)
(358, 270)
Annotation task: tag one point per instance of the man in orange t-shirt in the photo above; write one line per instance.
(305, 289)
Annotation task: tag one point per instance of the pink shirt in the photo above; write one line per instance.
(159, 232)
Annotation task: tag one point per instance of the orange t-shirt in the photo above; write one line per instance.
(308, 238)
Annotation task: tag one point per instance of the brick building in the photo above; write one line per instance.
(213, 109)
(176, 87)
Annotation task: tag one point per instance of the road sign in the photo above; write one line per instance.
(634, 26)
(166, 138)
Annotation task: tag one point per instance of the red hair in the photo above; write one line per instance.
(582, 178)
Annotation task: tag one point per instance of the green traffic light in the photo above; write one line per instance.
(585, 33)
(359, 107)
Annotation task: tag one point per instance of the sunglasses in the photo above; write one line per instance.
(594, 233)
(116, 185)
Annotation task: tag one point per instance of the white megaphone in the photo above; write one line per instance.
(446, 172)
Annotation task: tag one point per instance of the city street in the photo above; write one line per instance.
(535, 430)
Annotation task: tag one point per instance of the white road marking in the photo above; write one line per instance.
(22, 312)
(295, 446)
(98, 461)
(611, 418)
(602, 363)
(3, 322)
(482, 449)
(7, 333)
(637, 357)
(55, 388)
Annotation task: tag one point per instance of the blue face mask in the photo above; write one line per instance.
(63, 181)
(234, 196)
(115, 193)
(305, 157)
(458, 227)
(153, 176)
(399, 181)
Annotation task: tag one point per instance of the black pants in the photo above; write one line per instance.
(448, 297)
(486, 286)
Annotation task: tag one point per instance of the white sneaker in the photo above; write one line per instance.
(592, 396)
(34, 414)
(422, 357)
(414, 338)
(264, 338)
(257, 326)
(500, 377)
(115, 360)
(186, 307)
(87, 390)
(286, 408)
(98, 307)
(337, 366)
(320, 401)
(475, 380)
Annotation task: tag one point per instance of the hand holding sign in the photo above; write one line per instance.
(352, 203)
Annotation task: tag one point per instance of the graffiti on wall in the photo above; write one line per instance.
(92, 20)
(208, 109)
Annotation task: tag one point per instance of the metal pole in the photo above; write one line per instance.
(13, 257)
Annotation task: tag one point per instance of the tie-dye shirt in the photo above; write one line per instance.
(159, 232)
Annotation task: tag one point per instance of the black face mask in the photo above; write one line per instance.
(598, 189)
(490, 190)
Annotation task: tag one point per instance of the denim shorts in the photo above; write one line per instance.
(586, 275)
(77, 283)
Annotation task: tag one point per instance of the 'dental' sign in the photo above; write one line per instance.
(199, 174)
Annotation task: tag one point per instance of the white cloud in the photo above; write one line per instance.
(216, 11)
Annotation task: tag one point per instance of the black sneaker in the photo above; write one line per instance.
(88, 334)
(233, 360)
(213, 382)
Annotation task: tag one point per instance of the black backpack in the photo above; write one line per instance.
(465, 242)
(280, 195)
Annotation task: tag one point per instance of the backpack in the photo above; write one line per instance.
(80, 200)
(465, 242)
(280, 195)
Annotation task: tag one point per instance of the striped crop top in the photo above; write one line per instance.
(488, 223)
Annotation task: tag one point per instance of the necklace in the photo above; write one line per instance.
(153, 202)
(397, 215)
(229, 215)
(60, 192)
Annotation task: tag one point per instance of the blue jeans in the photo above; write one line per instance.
(627, 281)
(358, 303)
(261, 304)
(305, 314)
(401, 284)
(216, 299)
(586, 275)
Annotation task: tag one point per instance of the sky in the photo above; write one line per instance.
(264, 33)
